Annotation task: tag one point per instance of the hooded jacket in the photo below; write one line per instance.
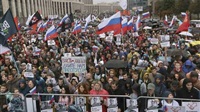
(185, 93)
(190, 67)
(160, 88)
(24, 90)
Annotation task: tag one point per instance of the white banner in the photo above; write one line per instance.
(164, 38)
(154, 41)
(165, 44)
(175, 109)
(191, 106)
(96, 109)
(74, 64)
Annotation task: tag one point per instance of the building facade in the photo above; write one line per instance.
(24, 8)
(137, 3)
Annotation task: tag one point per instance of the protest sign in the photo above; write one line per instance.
(74, 64)
(164, 38)
(165, 44)
(154, 41)
(96, 109)
(191, 106)
(51, 42)
(115, 109)
(175, 109)
(28, 74)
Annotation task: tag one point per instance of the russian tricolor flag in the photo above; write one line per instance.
(51, 33)
(32, 91)
(124, 27)
(43, 27)
(173, 21)
(63, 19)
(146, 15)
(130, 24)
(137, 24)
(183, 14)
(4, 50)
(166, 21)
(77, 28)
(110, 24)
(52, 100)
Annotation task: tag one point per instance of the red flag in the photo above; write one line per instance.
(185, 25)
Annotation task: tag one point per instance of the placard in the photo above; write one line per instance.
(28, 74)
(115, 109)
(175, 109)
(164, 38)
(109, 39)
(95, 101)
(74, 64)
(80, 101)
(51, 42)
(112, 102)
(165, 44)
(131, 102)
(191, 106)
(162, 58)
(96, 109)
(198, 25)
(154, 41)
(152, 104)
(67, 54)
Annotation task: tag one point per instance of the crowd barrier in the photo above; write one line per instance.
(95, 103)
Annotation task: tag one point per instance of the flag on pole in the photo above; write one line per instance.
(166, 21)
(7, 29)
(17, 23)
(110, 24)
(130, 24)
(35, 19)
(123, 4)
(43, 26)
(172, 21)
(51, 33)
(146, 15)
(52, 100)
(123, 29)
(137, 24)
(33, 90)
(77, 28)
(88, 20)
(185, 25)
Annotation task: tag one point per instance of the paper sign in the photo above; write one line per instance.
(153, 110)
(175, 109)
(154, 41)
(198, 25)
(131, 102)
(80, 101)
(109, 39)
(28, 74)
(118, 40)
(164, 38)
(191, 106)
(152, 104)
(96, 109)
(162, 58)
(115, 109)
(165, 44)
(74, 64)
(95, 101)
(67, 54)
(51, 42)
(112, 102)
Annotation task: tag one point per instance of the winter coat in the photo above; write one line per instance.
(188, 69)
(25, 89)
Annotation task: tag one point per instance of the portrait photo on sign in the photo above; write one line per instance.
(29, 67)
(152, 103)
(95, 101)
(131, 102)
(112, 102)
(60, 107)
(80, 100)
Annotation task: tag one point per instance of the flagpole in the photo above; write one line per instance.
(15, 62)
(60, 41)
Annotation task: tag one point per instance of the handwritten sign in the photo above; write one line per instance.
(191, 106)
(164, 38)
(165, 44)
(175, 109)
(154, 41)
(74, 64)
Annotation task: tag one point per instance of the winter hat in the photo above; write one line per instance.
(151, 86)
(166, 93)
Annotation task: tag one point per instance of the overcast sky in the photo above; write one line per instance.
(99, 1)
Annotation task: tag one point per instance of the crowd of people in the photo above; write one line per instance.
(157, 78)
